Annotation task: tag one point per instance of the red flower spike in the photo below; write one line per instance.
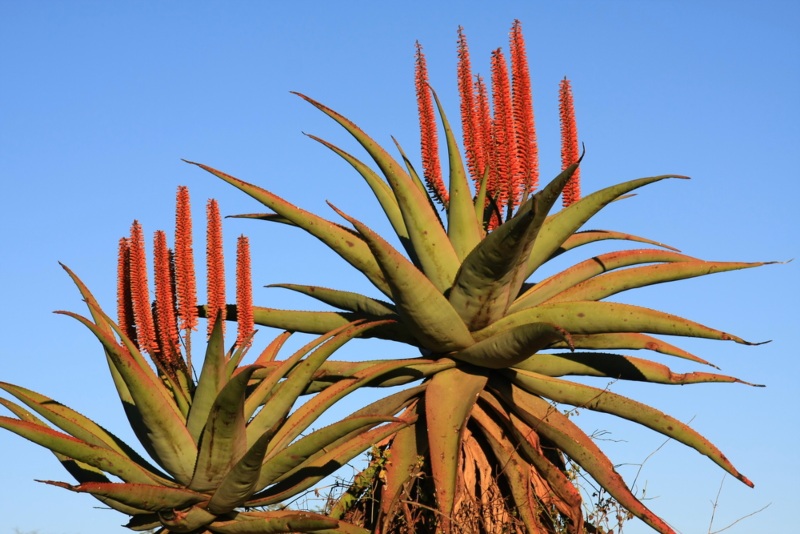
(125, 316)
(215, 265)
(522, 101)
(504, 153)
(570, 152)
(429, 141)
(186, 286)
(244, 292)
(166, 323)
(140, 294)
(470, 122)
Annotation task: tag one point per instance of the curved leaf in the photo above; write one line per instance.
(344, 300)
(590, 317)
(273, 522)
(141, 496)
(558, 228)
(512, 346)
(436, 255)
(348, 246)
(448, 403)
(422, 307)
(601, 400)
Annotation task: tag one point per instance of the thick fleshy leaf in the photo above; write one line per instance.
(211, 381)
(301, 450)
(590, 317)
(602, 400)
(380, 188)
(558, 428)
(348, 246)
(413, 370)
(241, 482)
(74, 423)
(608, 284)
(558, 228)
(422, 307)
(311, 472)
(585, 270)
(512, 346)
(296, 381)
(317, 322)
(630, 341)
(586, 237)
(102, 458)
(616, 366)
(305, 415)
(431, 245)
(463, 227)
(448, 403)
(273, 522)
(486, 283)
(405, 449)
(224, 438)
(515, 470)
(344, 300)
(142, 496)
(167, 436)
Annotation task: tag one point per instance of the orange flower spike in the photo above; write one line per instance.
(186, 285)
(140, 294)
(166, 323)
(524, 125)
(429, 141)
(484, 137)
(215, 265)
(470, 125)
(570, 152)
(505, 151)
(244, 292)
(125, 317)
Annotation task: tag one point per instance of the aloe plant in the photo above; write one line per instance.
(499, 341)
(222, 445)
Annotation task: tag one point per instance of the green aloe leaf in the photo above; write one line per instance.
(73, 423)
(241, 482)
(516, 470)
(422, 307)
(102, 458)
(631, 341)
(448, 403)
(601, 400)
(616, 366)
(344, 300)
(301, 450)
(463, 227)
(172, 445)
(382, 192)
(608, 284)
(431, 245)
(348, 246)
(558, 228)
(212, 380)
(305, 415)
(558, 428)
(486, 283)
(405, 451)
(273, 522)
(586, 237)
(224, 438)
(316, 322)
(412, 371)
(141, 496)
(590, 317)
(586, 270)
(309, 473)
(290, 389)
(512, 346)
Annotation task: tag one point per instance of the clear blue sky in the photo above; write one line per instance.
(100, 100)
